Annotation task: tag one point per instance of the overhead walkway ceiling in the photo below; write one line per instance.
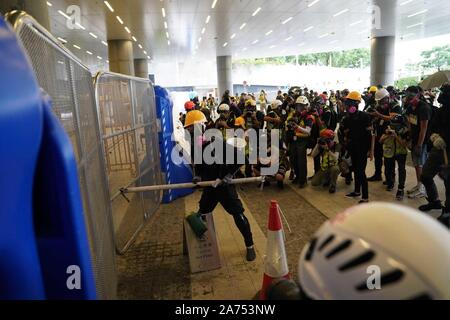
(237, 27)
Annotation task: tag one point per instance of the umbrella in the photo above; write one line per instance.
(435, 80)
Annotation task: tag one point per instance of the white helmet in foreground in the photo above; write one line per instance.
(407, 251)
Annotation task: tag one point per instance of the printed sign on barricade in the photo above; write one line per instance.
(203, 253)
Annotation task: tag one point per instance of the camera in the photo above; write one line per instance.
(292, 123)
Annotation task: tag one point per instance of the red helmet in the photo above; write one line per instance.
(327, 134)
(189, 106)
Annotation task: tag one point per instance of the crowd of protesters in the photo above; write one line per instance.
(341, 131)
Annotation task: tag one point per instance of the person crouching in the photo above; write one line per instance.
(329, 170)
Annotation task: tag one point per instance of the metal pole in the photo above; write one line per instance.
(188, 185)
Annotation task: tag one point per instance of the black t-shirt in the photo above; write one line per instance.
(421, 113)
(380, 124)
(359, 137)
(441, 123)
(210, 172)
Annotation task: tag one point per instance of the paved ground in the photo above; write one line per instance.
(303, 219)
(155, 268)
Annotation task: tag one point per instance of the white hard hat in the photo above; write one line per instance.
(381, 94)
(224, 107)
(302, 100)
(276, 103)
(410, 250)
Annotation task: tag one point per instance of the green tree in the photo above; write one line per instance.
(437, 58)
(406, 82)
(342, 59)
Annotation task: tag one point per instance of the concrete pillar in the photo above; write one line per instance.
(37, 9)
(224, 75)
(121, 59)
(382, 67)
(382, 70)
(141, 68)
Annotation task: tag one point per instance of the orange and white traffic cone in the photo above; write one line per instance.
(275, 264)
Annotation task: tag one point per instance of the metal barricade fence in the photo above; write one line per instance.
(69, 83)
(129, 130)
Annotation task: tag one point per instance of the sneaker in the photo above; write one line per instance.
(251, 254)
(389, 188)
(332, 189)
(362, 201)
(400, 195)
(353, 195)
(385, 183)
(420, 193)
(375, 178)
(413, 190)
(436, 205)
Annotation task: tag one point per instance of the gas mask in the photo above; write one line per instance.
(352, 106)
(384, 103)
(412, 99)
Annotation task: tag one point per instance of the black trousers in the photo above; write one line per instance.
(359, 161)
(317, 166)
(378, 155)
(301, 160)
(229, 199)
(432, 167)
(389, 164)
(292, 157)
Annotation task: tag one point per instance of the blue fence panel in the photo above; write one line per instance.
(175, 173)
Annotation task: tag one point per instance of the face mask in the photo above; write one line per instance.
(352, 110)
(200, 140)
(412, 99)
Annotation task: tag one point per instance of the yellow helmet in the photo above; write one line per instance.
(250, 103)
(354, 95)
(373, 89)
(240, 122)
(194, 117)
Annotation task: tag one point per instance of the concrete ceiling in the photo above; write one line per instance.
(281, 27)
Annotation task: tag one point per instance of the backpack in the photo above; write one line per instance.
(333, 121)
(315, 131)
